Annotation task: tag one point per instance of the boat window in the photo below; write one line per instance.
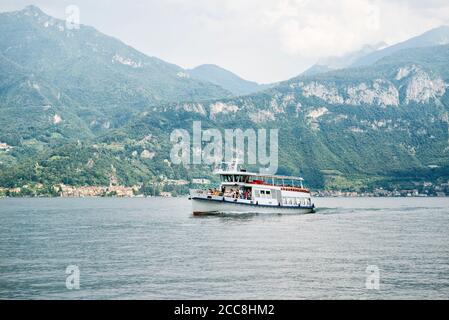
(268, 192)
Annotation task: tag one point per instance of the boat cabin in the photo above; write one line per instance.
(263, 189)
(247, 192)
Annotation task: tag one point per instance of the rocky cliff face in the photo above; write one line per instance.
(386, 119)
(411, 84)
(360, 124)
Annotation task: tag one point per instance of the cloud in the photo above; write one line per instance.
(307, 30)
(327, 27)
(261, 40)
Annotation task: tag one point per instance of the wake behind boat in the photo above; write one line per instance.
(243, 192)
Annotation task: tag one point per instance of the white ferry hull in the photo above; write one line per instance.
(203, 206)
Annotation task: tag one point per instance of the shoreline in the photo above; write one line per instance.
(168, 191)
(186, 195)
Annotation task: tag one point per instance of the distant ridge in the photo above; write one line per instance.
(80, 108)
(88, 67)
(340, 62)
(226, 79)
(434, 37)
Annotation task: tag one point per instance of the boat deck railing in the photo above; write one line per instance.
(204, 195)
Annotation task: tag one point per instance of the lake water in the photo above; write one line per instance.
(155, 249)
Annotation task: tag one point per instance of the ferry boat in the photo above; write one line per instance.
(243, 192)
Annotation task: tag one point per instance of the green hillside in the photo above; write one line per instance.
(77, 107)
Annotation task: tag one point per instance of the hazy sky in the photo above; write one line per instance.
(261, 40)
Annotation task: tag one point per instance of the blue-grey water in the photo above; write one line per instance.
(155, 249)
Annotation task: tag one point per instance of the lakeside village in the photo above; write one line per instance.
(164, 187)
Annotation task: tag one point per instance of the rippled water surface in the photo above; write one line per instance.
(154, 249)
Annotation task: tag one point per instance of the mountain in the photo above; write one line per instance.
(369, 54)
(84, 67)
(341, 62)
(225, 79)
(81, 108)
(434, 37)
(317, 69)
(86, 80)
(385, 124)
